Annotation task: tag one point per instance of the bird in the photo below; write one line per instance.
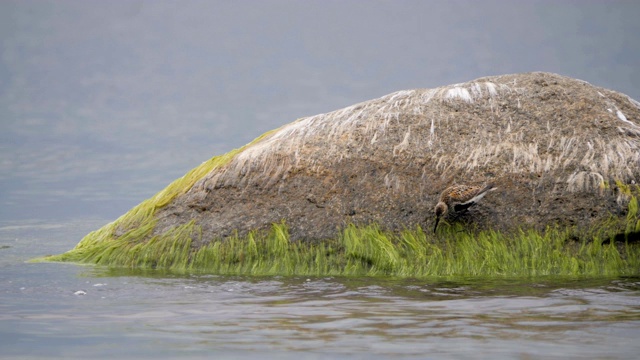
(457, 198)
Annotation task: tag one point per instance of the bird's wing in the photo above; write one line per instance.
(466, 204)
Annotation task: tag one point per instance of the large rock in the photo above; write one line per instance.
(554, 146)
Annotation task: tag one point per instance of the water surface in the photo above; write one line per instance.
(62, 310)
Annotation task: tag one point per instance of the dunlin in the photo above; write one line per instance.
(457, 198)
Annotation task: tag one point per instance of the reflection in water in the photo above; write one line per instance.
(154, 314)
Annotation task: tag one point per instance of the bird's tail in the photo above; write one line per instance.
(488, 187)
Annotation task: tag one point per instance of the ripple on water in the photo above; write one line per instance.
(171, 315)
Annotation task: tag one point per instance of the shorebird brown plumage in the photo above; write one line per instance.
(457, 198)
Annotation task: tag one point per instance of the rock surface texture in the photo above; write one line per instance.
(553, 146)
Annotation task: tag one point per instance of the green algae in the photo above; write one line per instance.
(368, 251)
(104, 245)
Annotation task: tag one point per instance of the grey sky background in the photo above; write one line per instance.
(103, 103)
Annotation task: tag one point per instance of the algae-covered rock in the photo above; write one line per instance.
(558, 149)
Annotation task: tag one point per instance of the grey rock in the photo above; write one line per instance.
(553, 146)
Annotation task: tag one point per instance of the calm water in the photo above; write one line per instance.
(152, 315)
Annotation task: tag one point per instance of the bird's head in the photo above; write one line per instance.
(440, 210)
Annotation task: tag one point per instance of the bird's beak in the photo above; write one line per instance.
(435, 227)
